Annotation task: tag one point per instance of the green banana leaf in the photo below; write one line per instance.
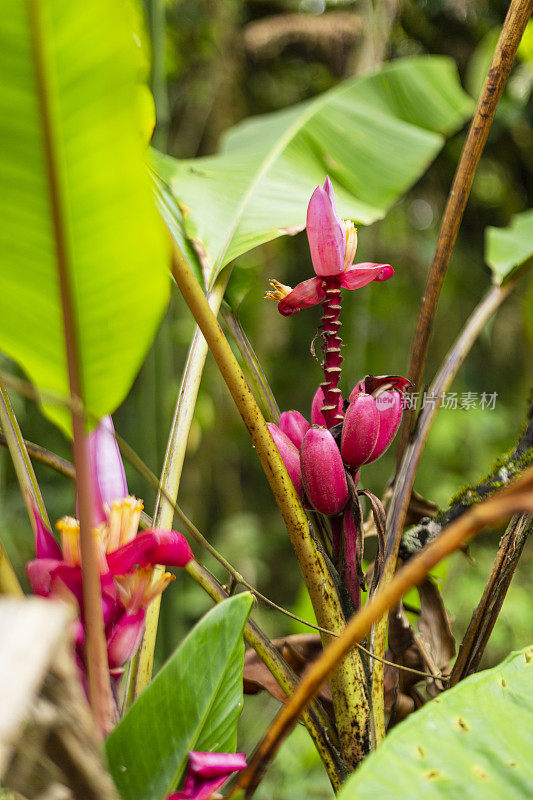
(76, 201)
(509, 249)
(374, 136)
(473, 742)
(193, 703)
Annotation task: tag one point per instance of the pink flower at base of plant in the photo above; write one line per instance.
(206, 773)
(317, 417)
(294, 425)
(289, 454)
(126, 557)
(323, 472)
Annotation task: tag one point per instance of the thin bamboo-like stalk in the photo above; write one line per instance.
(513, 28)
(141, 669)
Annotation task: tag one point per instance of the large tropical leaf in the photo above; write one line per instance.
(75, 196)
(192, 704)
(509, 249)
(374, 136)
(471, 743)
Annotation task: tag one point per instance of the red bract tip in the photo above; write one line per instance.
(45, 542)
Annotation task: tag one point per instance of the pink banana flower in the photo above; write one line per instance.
(333, 244)
(126, 557)
(206, 773)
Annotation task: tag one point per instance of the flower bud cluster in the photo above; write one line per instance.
(324, 464)
(315, 462)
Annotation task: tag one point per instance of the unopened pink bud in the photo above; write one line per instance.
(360, 430)
(125, 638)
(294, 425)
(290, 455)
(317, 417)
(389, 406)
(323, 472)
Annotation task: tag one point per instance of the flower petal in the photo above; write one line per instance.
(366, 272)
(40, 572)
(149, 548)
(135, 553)
(107, 470)
(172, 549)
(304, 295)
(326, 232)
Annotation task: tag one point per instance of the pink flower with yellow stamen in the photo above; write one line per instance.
(126, 556)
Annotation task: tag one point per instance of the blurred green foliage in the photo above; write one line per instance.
(219, 70)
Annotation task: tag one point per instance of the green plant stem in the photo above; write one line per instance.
(9, 583)
(348, 681)
(406, 475)
(157, 25)
(513, 28)
(44, 456)
(316, 720)
(21, 460)
(141, 669)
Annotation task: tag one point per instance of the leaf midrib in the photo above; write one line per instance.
(56, 199)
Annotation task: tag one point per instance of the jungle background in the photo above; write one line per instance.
(213, 64)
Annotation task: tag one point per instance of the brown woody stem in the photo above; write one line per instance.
(513, 28)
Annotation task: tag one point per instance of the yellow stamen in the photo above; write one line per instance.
(69, 529)
(280, 291)
(114, 517)
(131, 514)
(351, 243)
(101, 537)
(138, 590)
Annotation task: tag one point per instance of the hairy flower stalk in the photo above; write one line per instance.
(331, 347)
